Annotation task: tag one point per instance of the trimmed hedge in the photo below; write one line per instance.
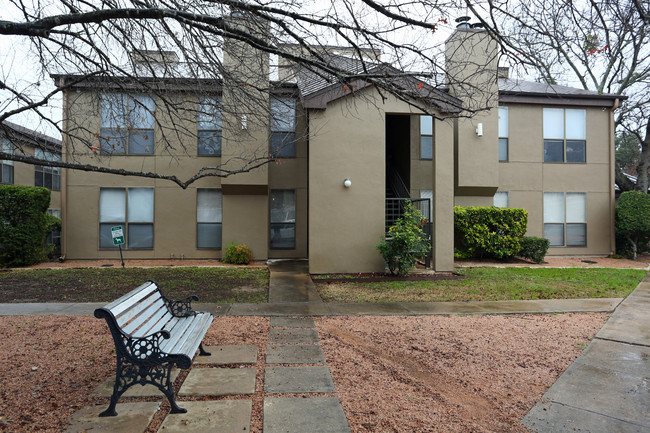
(534, 248)
(489, 231)
(24, 223)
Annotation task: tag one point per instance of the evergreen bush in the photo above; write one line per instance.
(633, 219)
(24, 223)
(490, 232)
(534, 248)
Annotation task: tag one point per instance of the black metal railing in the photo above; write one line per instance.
(395, 209)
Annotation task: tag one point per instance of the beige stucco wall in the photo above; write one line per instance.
(526, 177)
(245, 217)
(348, 141)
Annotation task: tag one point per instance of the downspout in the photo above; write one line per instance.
(64, 173)
(612, 179)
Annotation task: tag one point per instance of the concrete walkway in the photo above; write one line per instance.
(607, 389)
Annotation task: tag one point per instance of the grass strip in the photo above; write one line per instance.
(492, 284)
(210, 284)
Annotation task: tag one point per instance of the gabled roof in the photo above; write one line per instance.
(20, 133)
(320, 87)
(511, 90)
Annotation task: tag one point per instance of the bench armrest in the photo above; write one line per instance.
(181, 308)
(147, 347)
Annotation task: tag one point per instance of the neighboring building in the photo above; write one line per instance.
(16, 139)
(344, 148)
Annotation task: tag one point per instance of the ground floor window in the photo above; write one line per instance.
(208, 218)
(54, 237)
(565, 219)
(501, 199)
(131, 208)
(283, 219)
(6, 166)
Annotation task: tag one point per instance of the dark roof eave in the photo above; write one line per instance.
(181, 84)
(599, 100)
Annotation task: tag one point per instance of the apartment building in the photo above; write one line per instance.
(345, 151)
(16, 139)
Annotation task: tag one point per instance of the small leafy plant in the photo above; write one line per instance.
(406, 242)
(238, 254)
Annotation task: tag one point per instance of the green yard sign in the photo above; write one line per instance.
(118, 235)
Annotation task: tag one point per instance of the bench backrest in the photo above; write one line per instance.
(140, 312)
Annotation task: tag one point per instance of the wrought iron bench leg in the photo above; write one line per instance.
(202, 351)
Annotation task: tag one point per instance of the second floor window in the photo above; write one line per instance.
(6, 166)
(127, 124)
(209, 127)
(565, 135)
(426, 137)
(283, 127)
(503, 134)
(48, 177)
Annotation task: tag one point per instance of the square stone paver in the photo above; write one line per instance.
(293, 322)
(218, 381)
(284, 380)
(223, 416)
(293, 335)
(607, 392)
(106, 388)
(300, 415)
(222, 355)
(131, 417)
(294, 354)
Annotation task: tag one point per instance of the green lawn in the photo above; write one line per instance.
(492, 284)
(228, 284)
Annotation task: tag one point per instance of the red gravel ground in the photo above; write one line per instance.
(392, 374)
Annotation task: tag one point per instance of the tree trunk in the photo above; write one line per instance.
(642, 167)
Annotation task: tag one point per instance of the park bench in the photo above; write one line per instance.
(152, 334)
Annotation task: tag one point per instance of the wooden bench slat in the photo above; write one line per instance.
(140, 309)
(147, 319)
(127, 301)
(189, 336)
(157, 323)
(177, 331)
(192, 343)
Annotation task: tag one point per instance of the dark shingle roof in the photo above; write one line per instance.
(508, 86)
(320, 87)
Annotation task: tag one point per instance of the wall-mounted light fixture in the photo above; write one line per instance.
(347, 183)
(479, 130)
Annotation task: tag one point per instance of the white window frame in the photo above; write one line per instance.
(501, 199)
(564, 135)
(282, 141)
(47, 177)
(209, 125)
(279, 222)
(125, 117)
(426, 129)
(572, 214)
(132, 215)
(6, 165)
(504, 142)
(209, 218)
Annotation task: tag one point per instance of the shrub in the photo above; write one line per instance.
(633, 219)
(24, 223)
(534, 248)
(406, 242)
(489, 231)
(238, 254)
